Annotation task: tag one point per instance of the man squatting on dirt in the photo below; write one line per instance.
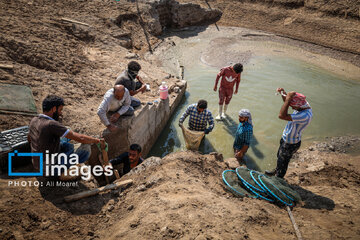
(297, 122)
(128, 77)
(243, 134)
(45, 132)
(229, 76)
(117, 101)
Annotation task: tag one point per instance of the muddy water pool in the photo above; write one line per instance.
(334, 96)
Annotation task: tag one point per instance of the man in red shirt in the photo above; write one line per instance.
(229, 76)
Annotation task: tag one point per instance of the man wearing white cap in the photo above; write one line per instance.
(243, 135)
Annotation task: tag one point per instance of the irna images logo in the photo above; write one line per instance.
(59, 164)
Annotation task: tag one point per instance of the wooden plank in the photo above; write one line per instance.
(74, 21)
(6, 66)
(103, 165)
(116, 174)
(104, 152)
(96, 191)
(297, 231)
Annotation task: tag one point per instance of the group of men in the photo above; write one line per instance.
(45, 130)
(201, 118)
(48, 135)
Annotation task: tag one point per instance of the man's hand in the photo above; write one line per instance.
(112, 128)
(236, 91)
(207, 131)
(114, 117)
(215, 88)
(279, 90)
(239, 155)
(143, 88)
(290, 95)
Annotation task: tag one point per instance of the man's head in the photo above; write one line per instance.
(245, 116)
(133, 69)
(298, 102)
(238, 68)
(52, 106)
(201, 105)
(134, 153)
(119, 91)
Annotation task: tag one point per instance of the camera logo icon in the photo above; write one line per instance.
(25, 174)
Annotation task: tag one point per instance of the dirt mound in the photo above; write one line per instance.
(81, 58)
(183, 196)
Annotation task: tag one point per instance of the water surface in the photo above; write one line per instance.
(335, 101)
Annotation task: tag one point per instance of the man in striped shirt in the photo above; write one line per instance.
(297, 122)
(199, 117)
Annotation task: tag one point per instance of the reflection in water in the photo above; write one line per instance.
(335, 102)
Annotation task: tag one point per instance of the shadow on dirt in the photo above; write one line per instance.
(54, 191)
(314, 201)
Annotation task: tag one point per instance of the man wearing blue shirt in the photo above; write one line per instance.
(297, 122)
(243, 134)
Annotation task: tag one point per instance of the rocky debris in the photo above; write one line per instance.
(340, 144)
(159, 15)
(149, 162)
(83, 33)
(218, 156)
(131, 55)
(232, 163)
(341, 8)
(189, 14)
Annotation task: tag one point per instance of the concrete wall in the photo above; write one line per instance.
(143, 128)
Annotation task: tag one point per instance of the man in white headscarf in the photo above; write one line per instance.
(243, 135)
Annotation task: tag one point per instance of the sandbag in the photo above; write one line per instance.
(17, 99)
(192, 138)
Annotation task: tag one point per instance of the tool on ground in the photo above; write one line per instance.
(297, 231)
(96, 191)
(104, 158)
(74, 21)
(272, 189)
(249, 183)
(7, 66)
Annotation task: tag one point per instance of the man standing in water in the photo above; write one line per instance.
(297, 122)
(229, 76)
(199, 117)
(243, 134)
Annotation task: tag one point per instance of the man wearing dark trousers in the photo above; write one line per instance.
(297, 122)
